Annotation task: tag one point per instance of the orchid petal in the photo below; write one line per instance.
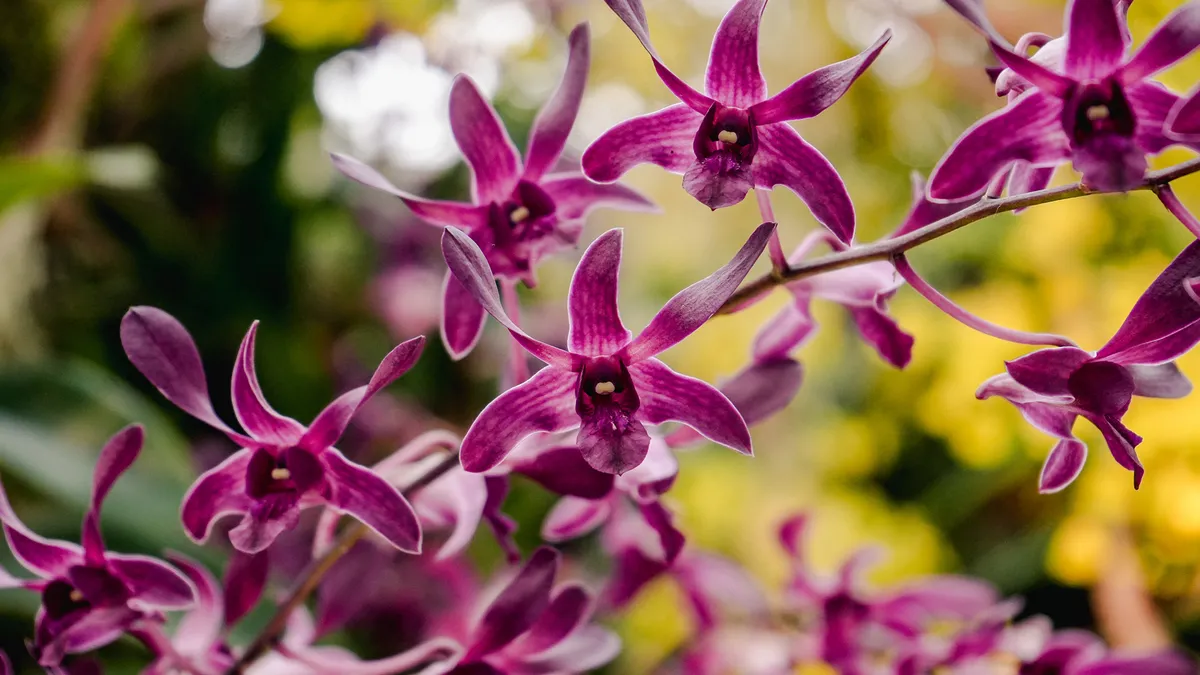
(251, 408)
(494, 161)
(47, 558)
(259, 529)
(1163, 309)
(544, 402)
(518, 606)
(576, 196)
(816, 91)
(664, 138)
(1004, 386)
(1122, 444)
(245, 579)
(1063, 464)
(116, 457)
(456, 214)
(361, 493)
(595, 322)
(155, 584)
(467, 494)
(634, 16)
(94, 630)
(331, 422)
(1038, 75)
(584, 650)
(925, 212)
(884, 334)
(463, 318)
(1095, 41)
(1052, 419)
(696, 304)
(1159, 381)
(1046, 371)
(764, 388)
(217, 492)
(667, 396)
(633, 569)
(784, 332)
(734, 77)
(1152, 105)
(1025, 179)
(1028, 130)
(471, 268)
(972, 11)
(553, 124)
(199, 629)
(612, 442)
(1184, 121)
(568, 610)
(563, 471)
(432, 657)
(502, 526)
(662, 522)
(573, 517)
(161, 348)
(784, 158)
(1177, 36)
(719, 180)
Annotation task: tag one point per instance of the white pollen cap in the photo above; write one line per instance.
(727, 136)
(605, 388)
(1098, 112)
(280, 474)
(519, 214)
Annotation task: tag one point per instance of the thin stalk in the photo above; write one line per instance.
(518, 364)
(316, 571)
(887, 249)
(779, 261)
(1167, 196)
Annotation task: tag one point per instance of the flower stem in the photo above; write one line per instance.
(1166, 195)
(887, 249)
(518, 364)
(312, 575)
(774, 246)
(970, 320)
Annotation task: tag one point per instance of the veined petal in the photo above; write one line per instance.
(1159, 381)
(544, 402)
(471, 268)
(1095, 40)
(972, 11)
(47, 558)
(660, 519)
(1063, 464)
(116, 457)
(553, 124)
(259, 528)
(245, 579)
(251, 407)
(585, 650)
(1165, 308)
(364, 495)
(733, 76)
(784, 158)
(663, 138)
(331, 422)
(456, 214)
(573, 517)
(1052, 419)
(501, 525)
(199, 629)
(494, 161)
(882, 332)
(1004, 386)
(465, 495)
(155, 584)
(97, 628)
(518, 606)
(1122, 444)
(816, 91)
(1028, 130)
(161, 348)
(568, 610)
(785, 331)
(764, 388)
(1177, 36)
(667, 396)
(1040, 76)
(634, 16)
(217, 492)
(463, 318)
(595, 323)
(612, 442)
(576, 196)
(1184, 121)
(563, 471)
(696, 304)
(1045, 371)
(1152, 105)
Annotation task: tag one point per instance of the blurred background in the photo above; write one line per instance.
(174, 153)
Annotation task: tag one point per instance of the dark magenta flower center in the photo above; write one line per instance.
(1097, 109)
(282, 474)
(605, 385)
(517, 227)
(1102, 387)
(726, 130)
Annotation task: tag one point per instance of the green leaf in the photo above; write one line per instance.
(23, 179)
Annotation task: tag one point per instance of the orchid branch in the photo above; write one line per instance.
(312, 575)
(890, 249)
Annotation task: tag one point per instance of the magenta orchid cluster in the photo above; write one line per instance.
(601, 424)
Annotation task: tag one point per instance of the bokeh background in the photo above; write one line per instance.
(173, 153)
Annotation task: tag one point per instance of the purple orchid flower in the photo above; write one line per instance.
(283, 466)
(91, 596)
(455, 501)
(533, 627)
(1078, 652)
(519, 214)
(609, 383)
(1052, 387)
(1102, 112)
(1183, 124)
(734, 138)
